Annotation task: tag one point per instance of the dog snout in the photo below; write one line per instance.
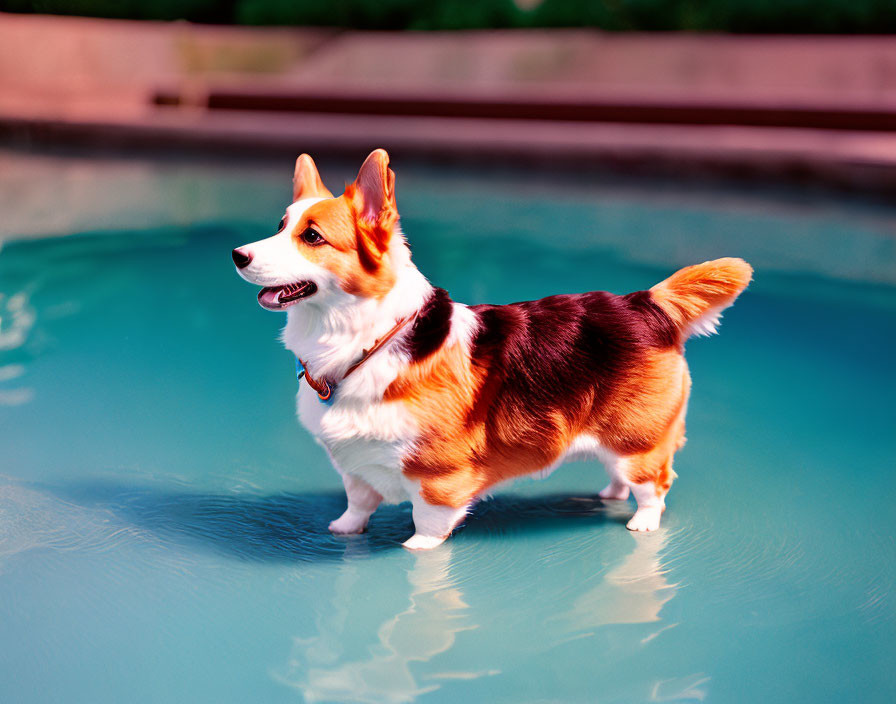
(242, 257)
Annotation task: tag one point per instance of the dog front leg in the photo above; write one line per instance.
(362, 502)
(432, 523)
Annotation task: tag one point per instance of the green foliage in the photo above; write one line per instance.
(381, 14)
(195, 10)
(761, 16)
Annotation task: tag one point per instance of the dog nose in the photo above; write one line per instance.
(241, 258)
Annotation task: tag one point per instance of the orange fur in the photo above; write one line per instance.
(465, 448)
(638, 416)
(440, 393)
(655, 465)
(358, 226)
(699, 289)
(372, 196)
(306, 181)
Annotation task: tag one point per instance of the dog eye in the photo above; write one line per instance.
(312, 237)
(282, 224)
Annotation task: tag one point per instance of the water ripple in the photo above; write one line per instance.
(31, 519)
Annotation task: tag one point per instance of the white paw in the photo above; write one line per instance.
(614, 492)
(422, 542)
(348, 524)
(646, 519)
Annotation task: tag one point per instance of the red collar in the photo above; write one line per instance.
(325, 387)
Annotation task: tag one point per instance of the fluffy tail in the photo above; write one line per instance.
(694, 297)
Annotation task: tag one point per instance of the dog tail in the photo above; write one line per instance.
(694, 297)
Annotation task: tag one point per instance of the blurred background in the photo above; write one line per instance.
(790, 89)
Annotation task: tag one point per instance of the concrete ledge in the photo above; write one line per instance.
(554, 105)
(857, 160)
(806, 108)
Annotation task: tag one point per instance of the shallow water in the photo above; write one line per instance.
(163, 516)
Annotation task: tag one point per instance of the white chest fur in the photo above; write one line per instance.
(364, 439)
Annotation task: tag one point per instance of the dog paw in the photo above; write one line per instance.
(614, 492)
(422, 542)
(645, 519)
(348, 524)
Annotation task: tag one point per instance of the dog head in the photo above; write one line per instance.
(327, 245)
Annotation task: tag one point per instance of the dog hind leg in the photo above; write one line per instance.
(651, 504)
(649, 477)
(618, 488)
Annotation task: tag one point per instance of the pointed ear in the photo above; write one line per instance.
(373, 194)
(375, 185)
(306, 181)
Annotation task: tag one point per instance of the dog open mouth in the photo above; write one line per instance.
(280, 297)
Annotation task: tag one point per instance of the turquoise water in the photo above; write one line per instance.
(163, 516)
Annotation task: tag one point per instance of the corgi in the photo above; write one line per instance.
(418, 397)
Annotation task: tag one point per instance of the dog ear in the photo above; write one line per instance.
(306, 181)
(373, 195)
(375, 185)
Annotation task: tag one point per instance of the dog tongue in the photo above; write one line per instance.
(270, 297)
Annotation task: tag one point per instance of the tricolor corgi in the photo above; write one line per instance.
(417, 397)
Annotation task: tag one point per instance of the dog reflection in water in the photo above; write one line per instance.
(434, 614)
(333, 665)
(634, 591)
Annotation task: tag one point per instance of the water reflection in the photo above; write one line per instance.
(634, 591)
(433, 614)
(677, 689)
(31, 519)
(17, 318)
(374, 623)
(350, 659)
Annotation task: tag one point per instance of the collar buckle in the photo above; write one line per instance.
(325, 387)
